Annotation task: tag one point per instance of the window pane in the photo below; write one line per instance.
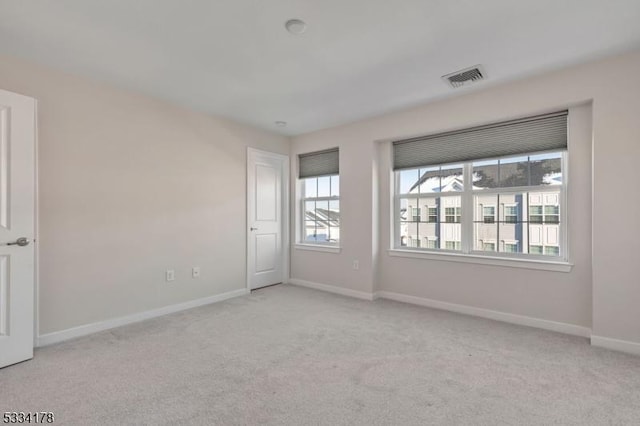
(451, 178)
(323, 186)
(485, 174)
(429, 180)
(310, 188)
(334, 212)
(408, 234)
(514, 172)
(322, 225)
(546, 169)
(322, 212)
(310, 210)
(408, 180)
(335, 186)
(310, 231)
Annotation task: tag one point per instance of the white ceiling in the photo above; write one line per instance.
(358, 58)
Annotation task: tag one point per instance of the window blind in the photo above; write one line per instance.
(319, 163)
(534, 134)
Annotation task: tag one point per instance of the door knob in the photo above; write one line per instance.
(20, 242)
(253, 229)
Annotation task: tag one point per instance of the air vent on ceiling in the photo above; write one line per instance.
(465, 77)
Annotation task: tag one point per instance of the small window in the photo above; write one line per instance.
(453, 245)
(416, 214)
(413, 242)
(511, 214)
(319, 202)
(552, 251)
(535, 214)
(535, 249)
(452, 214)
(489, 214)
(432, 244)
(321, 210)
(489, 246)
(432, 214)
(551, 214)
(511, 248)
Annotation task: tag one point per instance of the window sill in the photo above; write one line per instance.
(318, 247)
(557, 266)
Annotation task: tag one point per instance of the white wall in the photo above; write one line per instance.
(130, 186)
(601, 294)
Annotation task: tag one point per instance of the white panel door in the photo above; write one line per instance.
(266, 208)
(17, 201)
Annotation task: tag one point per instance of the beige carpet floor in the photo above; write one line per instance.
(294, 356)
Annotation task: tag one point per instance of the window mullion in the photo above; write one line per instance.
(466, 233)
(396, 211)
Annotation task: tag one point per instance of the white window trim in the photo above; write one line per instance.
(318, 247)
(468, 254)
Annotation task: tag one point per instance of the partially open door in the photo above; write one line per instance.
(17, 227)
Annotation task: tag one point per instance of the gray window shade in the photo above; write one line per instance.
(541, 133)
(320, 163)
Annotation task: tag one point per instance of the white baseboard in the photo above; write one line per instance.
(83, 330)
(333, 289)
(560, 327)
(616, 344)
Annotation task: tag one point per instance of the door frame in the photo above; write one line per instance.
(285, 213)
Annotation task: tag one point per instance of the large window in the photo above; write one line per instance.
(496, 190)
(319, 198)
(507, 205)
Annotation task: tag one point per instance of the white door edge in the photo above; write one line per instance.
(285, 213)
(36, 233)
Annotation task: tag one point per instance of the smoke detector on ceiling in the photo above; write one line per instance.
(296, 26)
(465, 76)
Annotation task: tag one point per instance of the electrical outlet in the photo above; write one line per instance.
(356, 265)
(195, 272)
(170, 275)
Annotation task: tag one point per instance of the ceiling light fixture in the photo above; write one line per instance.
(281, 123)
(295, 26)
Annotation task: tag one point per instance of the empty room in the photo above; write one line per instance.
(292, 212)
